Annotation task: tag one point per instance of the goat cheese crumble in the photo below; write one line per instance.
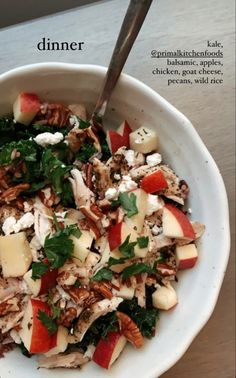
(46, 139)
(12, 225)
(154, 159)
(127, 184)
(153, 204)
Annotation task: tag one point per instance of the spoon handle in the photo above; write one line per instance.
(132, 23)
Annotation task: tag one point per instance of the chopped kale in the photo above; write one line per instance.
(144, 318)
(15, 151)
(85, 152)
(99, 329)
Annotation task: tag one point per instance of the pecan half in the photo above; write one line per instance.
(89, 173)
(93, 298)
(130, 329)
(104, 288)
(13, 192)
(166, 270)
(54, 115)
(67, 316)
(77, 294)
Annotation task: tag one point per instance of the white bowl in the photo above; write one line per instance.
(183, 149)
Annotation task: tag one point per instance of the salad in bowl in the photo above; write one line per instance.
(94, 229)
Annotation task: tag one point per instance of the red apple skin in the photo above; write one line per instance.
(41, 341)
(104, 349)
(166, 270)
(29, 102)
(187, 263)
(125, 133)
(114, 236)
(48, 281)
(184, 222)
(154, 182)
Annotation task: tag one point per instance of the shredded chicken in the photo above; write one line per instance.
(69, 360)
(82, 193)
(89, 315)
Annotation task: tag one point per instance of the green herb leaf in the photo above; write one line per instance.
(56, 311)
(137, 268)
(77, 283)
(83, 124)
(127, 248)
(102, 274)
(128, 202)
(85, 152)
(113, 261)
(143, 241)
(76, 232)
(115, 203)
(54, 170)
(38, 270)
(58, 249)
(145, 318)
(48, 322)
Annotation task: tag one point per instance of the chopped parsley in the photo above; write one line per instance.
(59, 247)
(113, 261)
(143, 241)
(127, 248)
(128, 202)
(38, 270)
(137, 268)
(102, 274)
(48, 321)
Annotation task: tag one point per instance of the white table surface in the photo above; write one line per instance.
(169, 25)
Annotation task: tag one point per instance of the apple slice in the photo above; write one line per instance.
(81, 246)
(164, 298)
(26, 107)
(136, 221)
(115, 141)
(114, 236)
(154, 182)
(41, 285)
(33, 333)
(176, 224)
(119, 138)
(61, 342)
(143, 140)
(125, 131)
(107, 351)
(186, 256)
(118, 234)
(15, 254)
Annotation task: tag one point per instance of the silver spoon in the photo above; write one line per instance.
(132, 23)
